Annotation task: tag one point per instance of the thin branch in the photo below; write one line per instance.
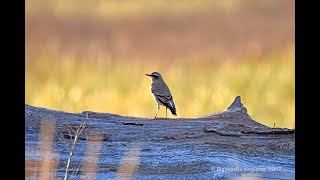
(77, 134)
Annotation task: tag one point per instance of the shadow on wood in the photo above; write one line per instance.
(227, 144)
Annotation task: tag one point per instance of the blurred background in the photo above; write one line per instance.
(93, 54)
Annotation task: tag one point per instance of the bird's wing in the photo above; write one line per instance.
(163, 95)
(162, 92)
(165, 100)
(166, 97)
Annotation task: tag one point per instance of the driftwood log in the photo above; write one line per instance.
(223, 145)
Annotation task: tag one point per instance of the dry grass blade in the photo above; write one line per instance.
(129, 163)
(46, 138)
(92, 157)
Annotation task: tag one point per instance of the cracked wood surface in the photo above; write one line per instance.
(222, 145)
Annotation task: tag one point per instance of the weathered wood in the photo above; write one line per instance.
(223, 145)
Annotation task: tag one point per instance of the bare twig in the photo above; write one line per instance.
(77, 134)
(74, 136)
(76, 172)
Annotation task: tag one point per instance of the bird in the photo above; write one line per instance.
(161, 93)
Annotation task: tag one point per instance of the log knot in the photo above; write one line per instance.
(236, 107)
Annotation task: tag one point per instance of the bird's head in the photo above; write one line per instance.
(155, 76)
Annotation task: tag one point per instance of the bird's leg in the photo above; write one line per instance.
(157, 112)
(166, 112)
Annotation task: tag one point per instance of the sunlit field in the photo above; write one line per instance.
(131, 8)
(199, 88)
(93, 56)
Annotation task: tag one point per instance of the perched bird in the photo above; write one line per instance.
(161, 93)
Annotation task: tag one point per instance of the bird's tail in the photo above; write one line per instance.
(172, 108)
(173, 111)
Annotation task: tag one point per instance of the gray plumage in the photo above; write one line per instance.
(161, 93)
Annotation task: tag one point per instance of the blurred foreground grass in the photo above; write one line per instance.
(199, 88)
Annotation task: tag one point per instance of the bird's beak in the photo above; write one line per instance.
(148, 75)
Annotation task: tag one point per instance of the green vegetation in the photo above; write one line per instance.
(199, 88)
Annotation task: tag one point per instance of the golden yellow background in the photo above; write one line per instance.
(92, 55)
